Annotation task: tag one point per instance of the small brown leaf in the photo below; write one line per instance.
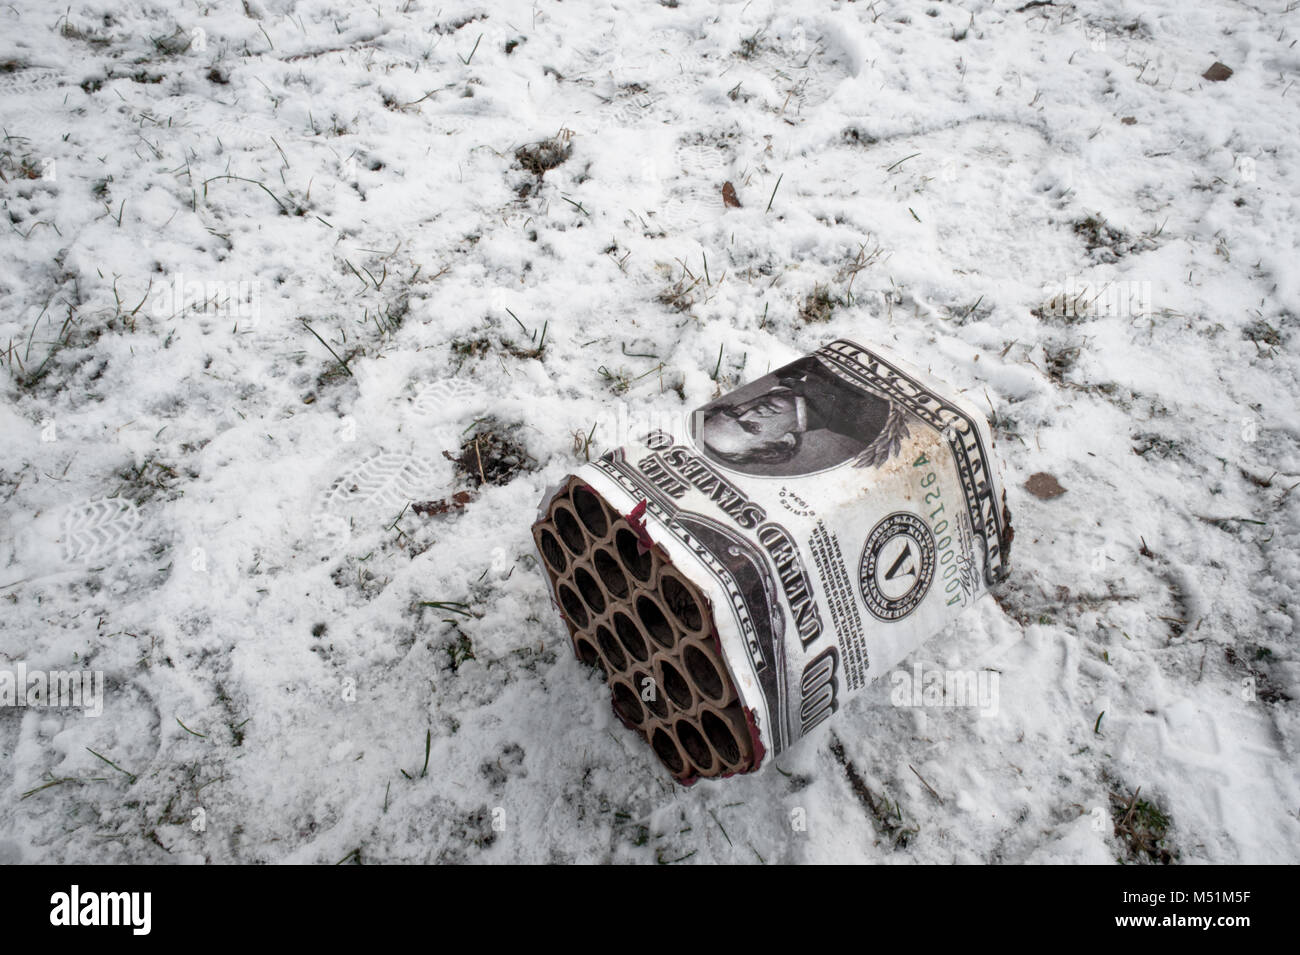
(443, 505)
(1129, 120)
(729, 196)
(1217, 73)
(1042, 485)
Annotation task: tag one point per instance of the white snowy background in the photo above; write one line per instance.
(207, 496)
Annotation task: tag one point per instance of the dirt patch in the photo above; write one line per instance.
(1106, 243)
(474, 348)
(540, 158)
(1262, 333)
(1059, 361)
(490, 456)
(1254, 661)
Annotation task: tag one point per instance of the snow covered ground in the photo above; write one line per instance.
(265, 261)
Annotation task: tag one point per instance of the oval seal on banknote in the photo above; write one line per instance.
(897, 566)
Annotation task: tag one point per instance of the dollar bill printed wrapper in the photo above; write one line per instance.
(832, 515)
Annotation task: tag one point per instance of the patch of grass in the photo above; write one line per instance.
(472, 829)
(68, 335)
(1060, 361)
(541, 157)
(858, 137)
(1148, 442)
(89, 37)
(1067, 309)
(750, 45)
(451, 606)
(145, 481)
(1106, 243)
(18, 167)
(860, 262)
(1262, 333)
(582, 442)
(539, 344)
(459, 651)
(174, 43)
(1097, 233)
(367, 583)
(620, 379)
(680, 295)
(1143, 829)
(228, 705)
(819, 305)
(480, 346)
(964, 314)
(341, 369)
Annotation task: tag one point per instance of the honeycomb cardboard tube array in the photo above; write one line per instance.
(638, 619)
(735, 582)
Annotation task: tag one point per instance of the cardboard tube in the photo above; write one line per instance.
(696, 747)
(575, 611)
(589, 589)
(642, 567)
(610, 649)
(685, 604)
(673, 684)
(706, 672)
(666, 748)
(627, 704)
(652, 615)
(569, 530)
(548, 546)
(727, 734)
(611, 572)
(587, 652)
(629, 634)
(648, 691)
(590, 511)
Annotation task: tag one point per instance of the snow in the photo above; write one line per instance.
(190, 489)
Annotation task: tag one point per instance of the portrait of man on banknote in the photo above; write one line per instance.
(799, 419)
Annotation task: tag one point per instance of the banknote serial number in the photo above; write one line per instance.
(949, 569)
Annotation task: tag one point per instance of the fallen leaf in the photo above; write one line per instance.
(1217, 72)
(729, 196)
(1129, 120)
(1042, 485)
(442, 506)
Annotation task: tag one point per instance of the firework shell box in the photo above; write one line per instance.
(831, 516)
